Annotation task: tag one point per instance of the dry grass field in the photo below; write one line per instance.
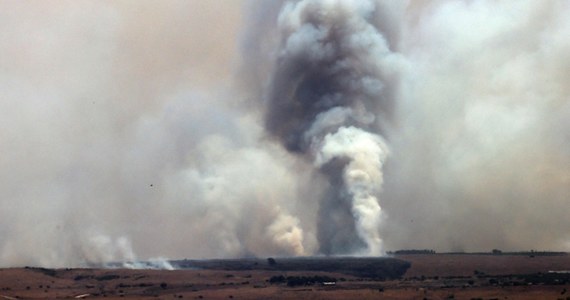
(438, 276)
(466, 264)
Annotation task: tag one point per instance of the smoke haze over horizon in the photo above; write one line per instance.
(201, 129)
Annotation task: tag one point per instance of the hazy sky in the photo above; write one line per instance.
(139, 129)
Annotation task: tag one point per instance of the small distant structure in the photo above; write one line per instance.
(329, 283)
(82, 296)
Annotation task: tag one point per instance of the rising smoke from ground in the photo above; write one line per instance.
(330, 75)
(137, 131)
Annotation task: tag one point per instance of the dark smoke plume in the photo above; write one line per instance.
(327, 97)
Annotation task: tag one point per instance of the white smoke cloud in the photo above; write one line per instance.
(287, 234)
(481, 151)
(125, 134)
(101, 249)
(121, 141)
(362, 176)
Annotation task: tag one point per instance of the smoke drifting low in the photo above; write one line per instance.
(227, 128)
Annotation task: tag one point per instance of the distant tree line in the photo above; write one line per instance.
(493, 252)
(531, 253)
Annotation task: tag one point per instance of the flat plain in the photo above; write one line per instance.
(436, 276)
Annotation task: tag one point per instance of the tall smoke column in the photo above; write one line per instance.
(329, 76)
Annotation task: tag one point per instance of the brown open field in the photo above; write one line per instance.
(440, 276)
(466, 264)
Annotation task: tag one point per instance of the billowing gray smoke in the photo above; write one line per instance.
(139, 131)
(329, 80)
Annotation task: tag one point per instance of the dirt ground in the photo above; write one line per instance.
(429, 277)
